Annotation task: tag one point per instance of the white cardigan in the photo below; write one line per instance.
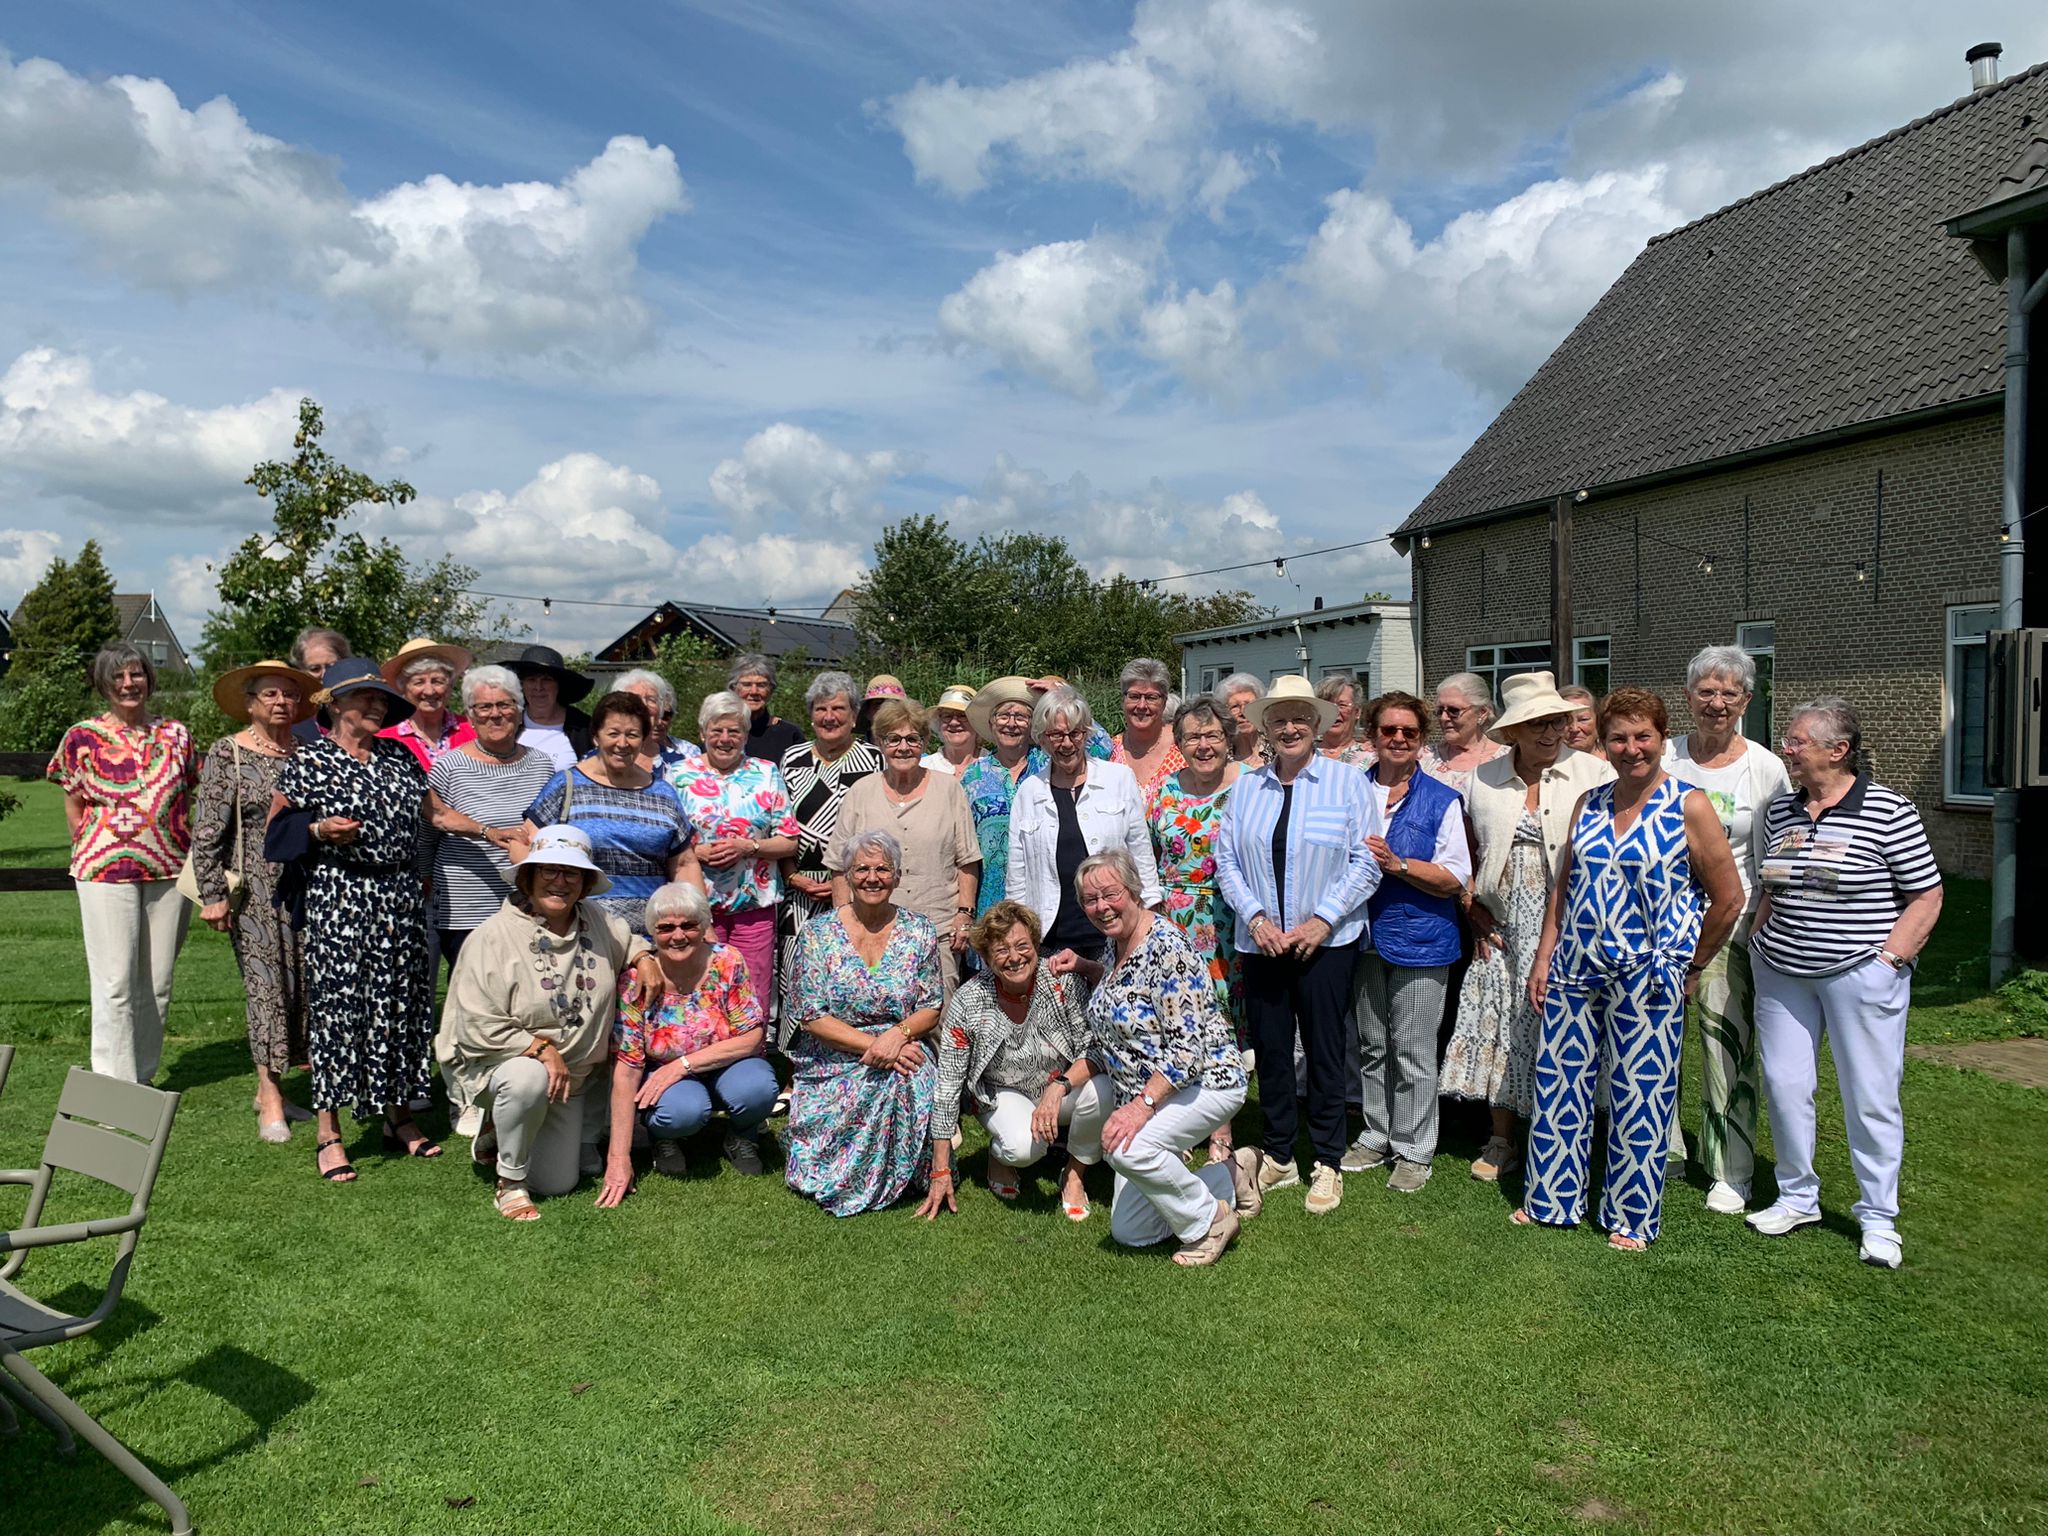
(1111, 810)
(1495, 801)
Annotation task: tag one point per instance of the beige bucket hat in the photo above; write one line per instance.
(1524, 697)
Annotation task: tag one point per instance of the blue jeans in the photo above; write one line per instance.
(745, 1091)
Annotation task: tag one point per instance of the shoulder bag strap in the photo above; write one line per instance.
(235, 742)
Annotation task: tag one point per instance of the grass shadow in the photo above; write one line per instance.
(210, 1061)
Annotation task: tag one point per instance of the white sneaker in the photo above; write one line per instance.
(470, 1121)
(1727, 1199)
(1776, 1220)
(1275, 1174)
(1881, 1249)
(1325, 1191)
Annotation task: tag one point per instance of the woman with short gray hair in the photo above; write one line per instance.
(427, 672)
(128, 777)
(662, 754)
(816, 775)
(1340, 742)
(1235, 696)
(1464, 709)
(1851, 894)
(1145, 745)
(1741, 778)
(752, 676)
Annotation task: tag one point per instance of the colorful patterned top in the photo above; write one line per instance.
(723, 1005)
(748, 802)
(1358, 755)
(136, 787)
(455, 731)
(990, 790)
(1155, 1011)
(1169, 765)
(1630, 899)
(832, 979)
(634, 834)
(1433, 762)
(1184, 826)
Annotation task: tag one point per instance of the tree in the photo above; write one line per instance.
(305, 570)
(67, 617)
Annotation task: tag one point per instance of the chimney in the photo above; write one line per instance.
(1319, 605)
(1983, 62)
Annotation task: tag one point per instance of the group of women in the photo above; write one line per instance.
(996, 906)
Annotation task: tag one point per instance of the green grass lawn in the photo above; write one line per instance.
(717, 1355)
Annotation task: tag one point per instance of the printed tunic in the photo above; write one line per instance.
(1155, 1011)
(815, 789)
(748, 802)
(720, 1007)
(990, 791)
(634, 834)
(136, 788)
(984, 1052)
(1184, 827)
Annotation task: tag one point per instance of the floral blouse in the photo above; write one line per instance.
(989, 790)
(455, 732)
(1156, 1012)
(748, 802)
(724, 1004)
(136, 787)
(832, 979)
(1169, 765)
(983, 1053)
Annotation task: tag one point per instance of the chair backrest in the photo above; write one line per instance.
(111, 1131)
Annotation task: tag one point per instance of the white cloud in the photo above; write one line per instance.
(1226, 178)
(191, 199)
(25, 553)
(790, 470)
(133, 453)
(1198, 334)
(1043, 310)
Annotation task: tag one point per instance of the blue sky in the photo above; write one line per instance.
(688, 300)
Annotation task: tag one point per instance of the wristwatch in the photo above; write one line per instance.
(1896, 961)
(1150, 1102)
(1402, 866)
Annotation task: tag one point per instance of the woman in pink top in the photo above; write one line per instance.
(128, 778)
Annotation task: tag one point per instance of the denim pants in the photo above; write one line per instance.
(745, 1091)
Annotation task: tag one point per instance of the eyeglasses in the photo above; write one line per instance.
(682, 925)
(492, 711)
(1143, 696)
(1212, 736)
(1795, 743)
(952, 722)
(900, 739)
(1062, 735)
(272, 695)
(1452, 712)
(1721, 695)
(1400, 732)
(1011, 717)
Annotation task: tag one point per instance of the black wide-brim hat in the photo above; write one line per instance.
(353, 674)
(546, 661)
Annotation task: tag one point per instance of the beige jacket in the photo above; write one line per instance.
(496, 1008)
(1495, 804)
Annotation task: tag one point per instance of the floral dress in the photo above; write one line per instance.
(990, 791)
(815, 789)
(370, 1018)
(857, 1135)
(748, 802)
(1492, 1054)
(1184, 842)
(1432, 762)
(228, 815)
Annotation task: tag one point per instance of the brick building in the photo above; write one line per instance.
(1786, 422)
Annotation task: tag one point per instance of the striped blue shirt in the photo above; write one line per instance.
(1330, 871)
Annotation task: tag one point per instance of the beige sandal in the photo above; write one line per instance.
(1223, 1230)
(515, 1204)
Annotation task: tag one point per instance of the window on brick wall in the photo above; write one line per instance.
(1590, 668)
(1963, 734)
(1761, 642)
(1494, 662)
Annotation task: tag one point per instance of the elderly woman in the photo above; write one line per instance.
(662, 754)
(1001, 717)
(1740, 778)
(553, 689)
(1340, 743)
(769, 736)
(635, 821)
(1237, 694)
(1292, 862)
(1175, 1075)
(127, 777)
(866, 996)
(1145, 745)
(927, 814)
(1412, 940)
(953, 731)
(477, 795)
(740, 814)
(1005, 1033)
(1078, 806)
(1520, 806)
(1583, 733)
(1624, 942)
(529, 1016)
(427, 672)
(817, 774)
(1464, 712)
(236, 883)
(315, 650)
(693, 1047)
(1850, 896)
(350, 808)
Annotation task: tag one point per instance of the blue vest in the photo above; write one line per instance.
(1409, 926)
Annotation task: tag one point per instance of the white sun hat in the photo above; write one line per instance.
(567, 847)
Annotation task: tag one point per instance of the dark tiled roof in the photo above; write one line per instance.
(1829, 301)
(742, 629)
(128, 607)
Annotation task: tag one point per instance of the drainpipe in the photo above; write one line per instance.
(2012, 566)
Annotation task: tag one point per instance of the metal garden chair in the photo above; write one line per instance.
(6, 1061)
(114, 1132)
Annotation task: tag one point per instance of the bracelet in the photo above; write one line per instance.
(938, 1174)
(1060, 1081)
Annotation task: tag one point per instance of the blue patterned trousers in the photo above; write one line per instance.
(1641, 1013)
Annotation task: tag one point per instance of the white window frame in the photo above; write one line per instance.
(1488, 662)
(1753, 645)
(1582, 658)
(1211, 673)
(1953, 647)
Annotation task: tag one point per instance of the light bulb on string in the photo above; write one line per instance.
(1280, 568)
(1706, 565)
(1425, 541)
(1862, 572)
(547, 605)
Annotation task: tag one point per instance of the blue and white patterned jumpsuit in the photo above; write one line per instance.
(1631, 922)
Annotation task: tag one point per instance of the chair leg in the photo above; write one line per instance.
(10, 1388)
(45, 1392)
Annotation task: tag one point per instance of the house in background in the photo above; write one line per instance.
(1785, 419)
(143, 625)
(730, 631)
(1373, 640)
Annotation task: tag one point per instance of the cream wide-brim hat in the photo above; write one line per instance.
(457, 660)
(1524, 697)
(992, 697)
(229, 689)
(1292, 690)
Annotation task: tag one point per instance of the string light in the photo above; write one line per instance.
(1706, 565)
(1280, 569)
(1862, 573)
(1425, 541)
(547, 605)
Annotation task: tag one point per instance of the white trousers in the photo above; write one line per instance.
(539, 1142)
(133, 930)
(1863, 1014)
(1158, 1196)
(1008, 1123)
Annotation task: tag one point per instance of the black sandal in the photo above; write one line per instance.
(426, 1146)
(343, 1172)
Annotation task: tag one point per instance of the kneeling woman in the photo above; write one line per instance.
(1007, 1031)
(695, 1045)
(529, 1014)
(1174, 1071)
(1624, 942)
(864, 994)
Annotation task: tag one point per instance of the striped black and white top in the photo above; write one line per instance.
(1838, 883)
(472, 876)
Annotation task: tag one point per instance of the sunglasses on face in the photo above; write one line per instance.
(1401, 732)
(681, 926)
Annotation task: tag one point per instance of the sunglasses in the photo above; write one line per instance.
(1400, 732)
(662, 930)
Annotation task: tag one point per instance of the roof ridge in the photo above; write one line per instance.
(1969, 100)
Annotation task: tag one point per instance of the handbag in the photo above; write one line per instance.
(238, 884)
